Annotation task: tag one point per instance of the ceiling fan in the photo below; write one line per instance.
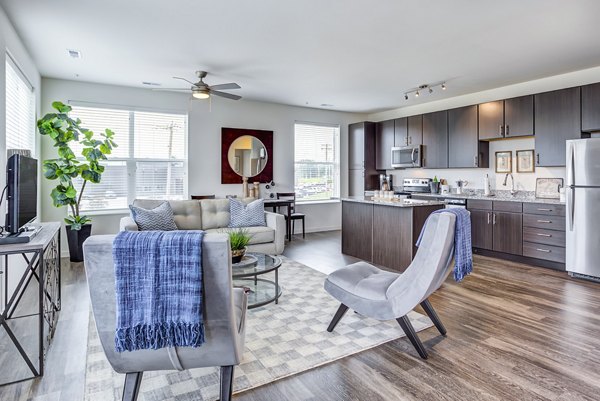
(200, 90)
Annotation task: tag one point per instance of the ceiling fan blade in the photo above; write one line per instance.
(230, 85)
(183, 79)
(224, 94)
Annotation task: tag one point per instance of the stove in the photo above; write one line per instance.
(416, 185)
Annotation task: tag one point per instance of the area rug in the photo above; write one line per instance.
(281, 340)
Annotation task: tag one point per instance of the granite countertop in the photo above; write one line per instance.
(521, 196)
(395, 203)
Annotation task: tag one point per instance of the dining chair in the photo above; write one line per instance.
(293, 214)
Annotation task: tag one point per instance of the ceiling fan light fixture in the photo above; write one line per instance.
(201, 94)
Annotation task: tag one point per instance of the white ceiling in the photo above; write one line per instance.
(358, 55)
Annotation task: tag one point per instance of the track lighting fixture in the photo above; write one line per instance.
(429, 87)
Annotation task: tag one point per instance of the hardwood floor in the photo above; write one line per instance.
(515, 332)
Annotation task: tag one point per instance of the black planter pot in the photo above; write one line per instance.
(76, 238)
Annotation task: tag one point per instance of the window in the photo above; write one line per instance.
(150, 161)
(20, 109)
(317, 161)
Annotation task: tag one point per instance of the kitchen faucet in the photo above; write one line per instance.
(513, 192)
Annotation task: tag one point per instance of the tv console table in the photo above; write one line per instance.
(19, 336)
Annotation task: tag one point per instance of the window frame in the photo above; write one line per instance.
(335, 198)
(131, 160)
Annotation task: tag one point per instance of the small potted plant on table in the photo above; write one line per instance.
(238, 239)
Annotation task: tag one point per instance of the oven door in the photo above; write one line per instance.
(406, 156)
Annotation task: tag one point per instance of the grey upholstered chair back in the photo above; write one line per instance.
(429, 268)
(223, 315)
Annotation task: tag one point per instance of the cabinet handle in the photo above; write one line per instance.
(494, 218)
(501, 130)
(544, 210)
(537, 157)
(543, 250)
(410, 140)
(488, 217)
(506, 129)
(544, 235)
(475, 161)
(544, 221)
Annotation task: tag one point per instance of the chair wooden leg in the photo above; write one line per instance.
(303, 230)
(132, 386)
(336, 318)
(426, 305)
(293, 227)
(226, 383)
(409, 330)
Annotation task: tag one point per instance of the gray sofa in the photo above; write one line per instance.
(212, 215)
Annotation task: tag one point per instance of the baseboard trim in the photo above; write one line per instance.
(316, 229)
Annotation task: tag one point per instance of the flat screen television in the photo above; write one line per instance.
(21, 182)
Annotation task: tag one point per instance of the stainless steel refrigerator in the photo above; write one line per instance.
(583, 208)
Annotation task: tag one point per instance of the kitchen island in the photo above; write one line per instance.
(384, 233)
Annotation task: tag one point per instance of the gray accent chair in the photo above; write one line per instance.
(384, 295)
(212, 216)
(224, 317)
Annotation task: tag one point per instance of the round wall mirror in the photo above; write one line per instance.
(247, 156)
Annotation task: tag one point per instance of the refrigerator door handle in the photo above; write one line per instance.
(571, 178)
(571, 206)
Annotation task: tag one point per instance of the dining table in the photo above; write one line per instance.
(287, 203)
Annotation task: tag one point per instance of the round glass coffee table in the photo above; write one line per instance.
(260, 290)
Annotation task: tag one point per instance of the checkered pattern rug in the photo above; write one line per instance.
(281, 340)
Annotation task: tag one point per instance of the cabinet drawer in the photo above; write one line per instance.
(546, 252)
(479, 204)
(544, 209)
(542, 236)
(546, 222)
(504, 206)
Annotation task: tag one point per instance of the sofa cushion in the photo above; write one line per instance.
(159, 218)
(215, 213)
(259, 235)
(247, 215)
(186, 212)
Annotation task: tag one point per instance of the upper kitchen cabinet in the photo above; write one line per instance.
(507, 118)
(464, 147)
(557, 119)
(435, 139)
(414, 133)
(384, 142)
(361, 158)
(590, 108)
(400, 132)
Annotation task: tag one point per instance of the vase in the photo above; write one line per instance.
(76, 238)
(237, 255)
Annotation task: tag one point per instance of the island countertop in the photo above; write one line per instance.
(394, 203)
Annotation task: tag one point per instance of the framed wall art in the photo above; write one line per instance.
(525, 162)
(504, 161)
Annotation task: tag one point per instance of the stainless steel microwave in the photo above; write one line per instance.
(407, 156)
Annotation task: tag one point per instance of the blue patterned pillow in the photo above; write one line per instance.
(250, 215)
(158, 219)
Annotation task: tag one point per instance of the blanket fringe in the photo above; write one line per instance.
(159, 335)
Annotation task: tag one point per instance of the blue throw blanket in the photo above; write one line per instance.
(463, 252)
(159, 289)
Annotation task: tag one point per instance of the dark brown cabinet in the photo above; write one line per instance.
(508, 232)
(400, 132)
(482, 229)
(435, 139)
(506, 118)
(464, 147)
(361, 158)
(384, 143)
(414, 133)
(557, 119)
(357, 230)
(590, 108)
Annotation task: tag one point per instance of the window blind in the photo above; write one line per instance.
(150, 161)
(20, 109)
(316, 161)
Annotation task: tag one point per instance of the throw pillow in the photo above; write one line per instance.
(250, 215)
(158, 219)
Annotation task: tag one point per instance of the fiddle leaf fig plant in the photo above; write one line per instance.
(68, 166)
